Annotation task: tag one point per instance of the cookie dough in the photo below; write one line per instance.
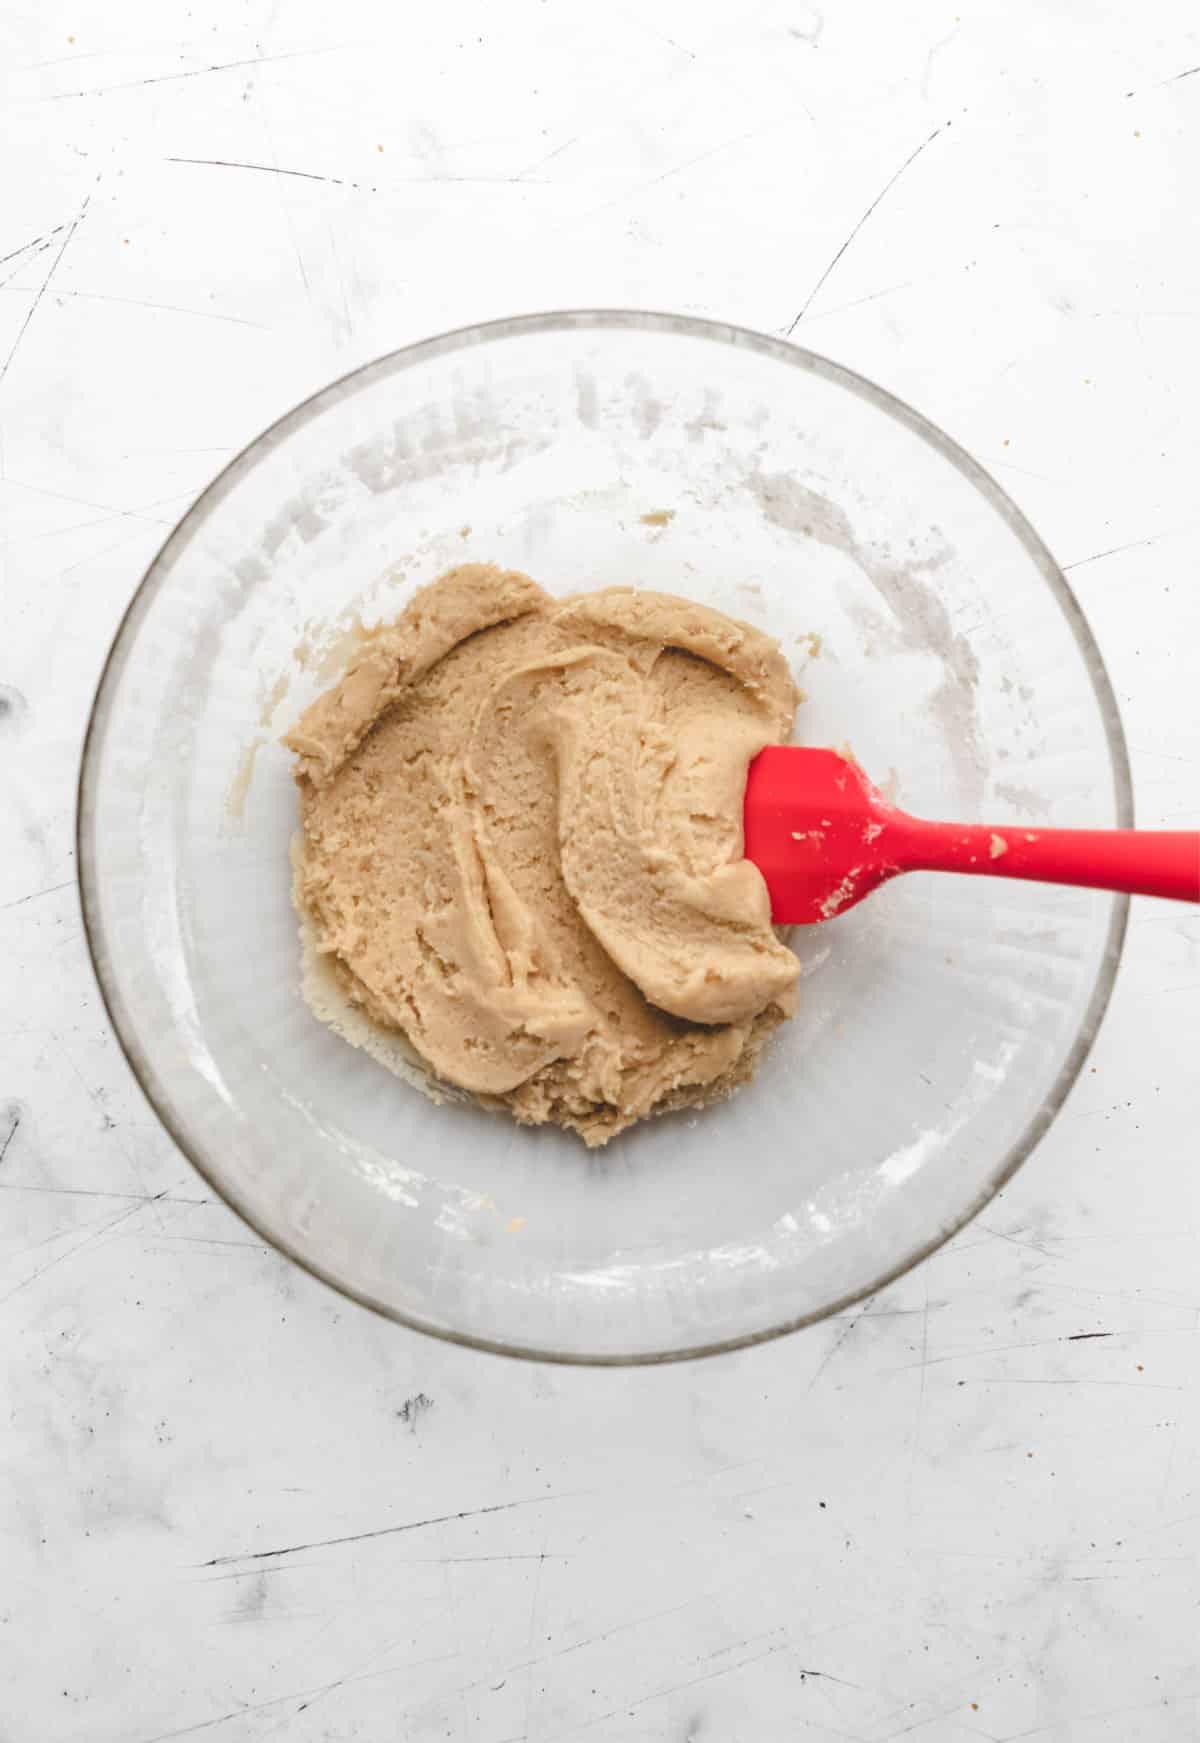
(522, 845)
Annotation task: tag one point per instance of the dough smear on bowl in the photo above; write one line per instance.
(522, 845)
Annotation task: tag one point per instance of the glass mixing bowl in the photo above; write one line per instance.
(941, 1023)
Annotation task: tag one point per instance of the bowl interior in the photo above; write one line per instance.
(940, 1023)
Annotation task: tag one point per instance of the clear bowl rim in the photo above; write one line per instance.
(784, 351)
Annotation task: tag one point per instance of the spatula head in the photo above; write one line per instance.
(817, 830)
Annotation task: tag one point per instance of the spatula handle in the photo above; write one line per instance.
(1141, 862)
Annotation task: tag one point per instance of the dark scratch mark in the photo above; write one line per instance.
(1136, 1385)
(53, 268)
(337, 261)
(679, 168)
(269, 169)
(257, 1573)
(213, 1241)
(702, 157)
(146, 521)
(1160, 1702)
(22, 264)
(86, 1192)
(167, 308)
(34, 895)
(313, 1695)
(828, 1676)
(141, 532)
(919, 1724)
(881, 195)
(114, 1222)
(1014, 1241)
(661, 36)
(766, 1489)
(385, 1530)
(843, 308)
(221, 448)
(284, 208)
(1025, 471)
(12, 1132)
(58, 1236)
(748, 1640)
(924, 1366)
(1140, 1298)
(98, 1101)
(222, 1719)
(1114, 550)
(595, 1639)
(1079, 1337)
(677, 1688)
(548, 158)
(449, 1560)
(460, 181)
(38, 242)
(79, 526)
(309, 1695)
(836, 1346)
(61, 61)
(530, 1630)
(193, 73)
(477, 1682)
(111, 513)
(997, 1350)
(1175, 77)
(63, 496)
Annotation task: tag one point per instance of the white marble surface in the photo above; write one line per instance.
(232, 1506)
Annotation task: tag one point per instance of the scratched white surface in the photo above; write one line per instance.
(233, 1507)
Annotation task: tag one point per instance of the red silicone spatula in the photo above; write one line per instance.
(824, 838)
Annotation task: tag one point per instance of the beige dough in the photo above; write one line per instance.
(522, 845)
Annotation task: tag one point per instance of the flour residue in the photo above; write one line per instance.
(272, 697)
(239, 787)
(1026, 799)
(587, 402)
(647, 411)
(331, 654)
(917, 617)
(707, 419)
(837, 899)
